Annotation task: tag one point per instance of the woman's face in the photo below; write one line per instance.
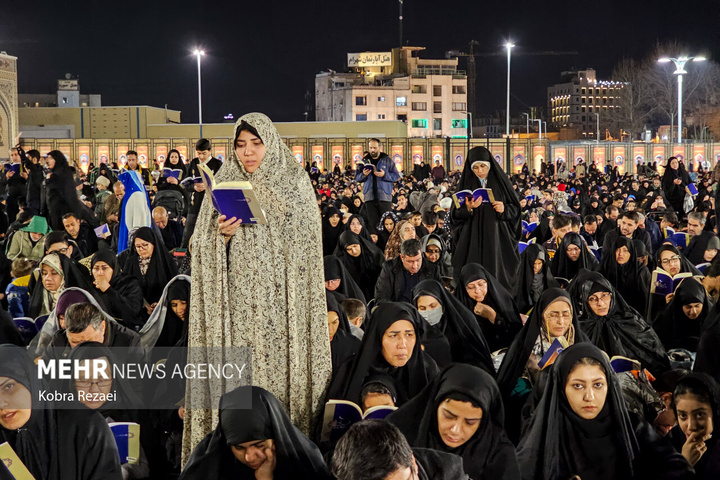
(357, 202)
(477, 290)
(693, 310)
(586, 390)
(408, 231)
(710, 254)
(537, 266)
(694, 415)
(174, 158)
(573, 252)
(533, 217)
(427, 302)
(389, 224)
(355, 226)
(254, 453)
(250, 150)
(670, 262)
(92, 390)
(457, 422)
(674, 164)
(334, 220)
(51, 279)
(599, 303)
(432, 253)
(102, 270)
(622, 255)
(179, 308)
(333, 320)
(332, 285)
(558, 317)
(481, 170)
(354, 250)
(144, 248)
(398, 343)
(15, 404)
(50, 162)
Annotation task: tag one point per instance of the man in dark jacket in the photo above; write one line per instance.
(400, 275)
(627, 226)
(197, 190)
(377, 177)
(83, 235)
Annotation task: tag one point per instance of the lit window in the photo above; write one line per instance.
(401, 101)
(419, 123)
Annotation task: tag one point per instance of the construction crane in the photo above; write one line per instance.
(471, 73)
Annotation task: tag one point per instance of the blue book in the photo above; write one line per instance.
(663, 283)
(485, 193)
(340, 415)
(27, 328)
(127, 439)
(15, 167)
(11, 464)
(703, 267)
(530, 198)
(529, 227)
(691, 189)
(172, 172)
(103, 231)
(556, 347)
(233, 199)
(523, 245)
(681, 239)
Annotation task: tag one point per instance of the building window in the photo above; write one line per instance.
(419, 89)
(437, 107)
(381, 99)
(437, 90)
(362, 101)
(459, 123)
(583, 100)
(402, 118)
(419, 123)
(419, 106)
(361, 117)
(583, 118)
(437, 123)
(401, 101)
(64, 99)
(381, 116)
(458, 89)
(459, 106)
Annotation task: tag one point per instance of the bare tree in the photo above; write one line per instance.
(628, 113)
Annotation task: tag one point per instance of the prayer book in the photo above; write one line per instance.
(366, 166)
(26, 327)
(172, 172)
(340, 415)
(233, 199)
(691, 189)
(703, 267)
(530, 198)
(485, 193)
(622, 364)
(15, 167)
(523, 245)
(127, 439)
(187, 181)
(664, 284)
(556, 347)
(12, 464)
(103, 231)
(528, 227)
(681, 239)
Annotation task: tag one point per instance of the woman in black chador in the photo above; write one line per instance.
(487, 233)
(535, 277)
(582, 427)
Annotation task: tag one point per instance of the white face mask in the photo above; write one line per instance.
(432, 316)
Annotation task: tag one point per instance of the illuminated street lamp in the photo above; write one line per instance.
(509, 46)
(199, 53)
(680, 71)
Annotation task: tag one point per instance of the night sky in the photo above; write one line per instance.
(263, 55)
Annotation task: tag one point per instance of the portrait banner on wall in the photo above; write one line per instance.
(67, 151)
(298, 152)
(498, 152)
(679, 152)
(518, 153)
(337, 155)
(639, 155)
(220, 152)
(318, 153)
(560, 156)
(103, 154)
(417, 154)
(161, 152)
(437, 152)
(619, 159)
(84, 158)
(143, 159)
(599, 157)
(396, 152)
(539, 157)
(699, 159)
(183, 153)
(45, 148)
(120, 154)
(356, 151)
(716, 153)
(579, 154)
(458, 155)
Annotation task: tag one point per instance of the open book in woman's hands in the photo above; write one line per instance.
(233, 199)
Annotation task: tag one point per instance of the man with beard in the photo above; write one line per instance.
(377, 177)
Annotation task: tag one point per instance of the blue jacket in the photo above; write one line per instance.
(384, 184)
(18, 297)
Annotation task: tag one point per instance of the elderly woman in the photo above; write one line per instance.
(261, 286)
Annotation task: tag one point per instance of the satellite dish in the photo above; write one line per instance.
(68, 76)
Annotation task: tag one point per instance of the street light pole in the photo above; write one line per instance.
(509, 47)
(680, 71)
(539, 127)
(597, 135)
(527, 125)
(199, 54)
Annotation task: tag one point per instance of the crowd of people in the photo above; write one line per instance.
(537, 325)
